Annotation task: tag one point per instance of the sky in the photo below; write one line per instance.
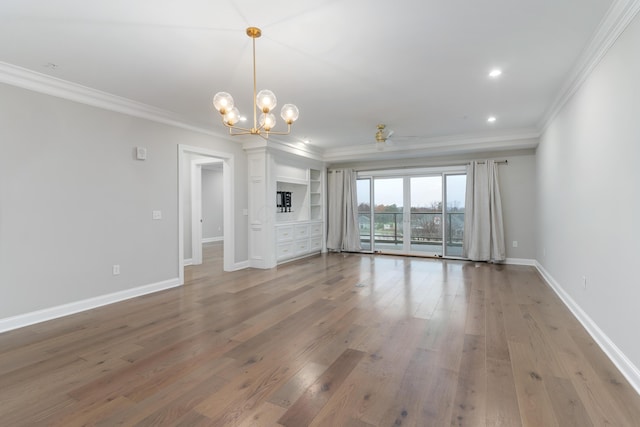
(424, 191)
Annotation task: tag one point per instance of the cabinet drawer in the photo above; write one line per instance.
(302, 231)
(284, 250)
(301, 247)
(315, 244)
(316, 229)
(284, 233)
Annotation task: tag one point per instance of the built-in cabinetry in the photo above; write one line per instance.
(296, 239)
(278, 233)
(299, 229)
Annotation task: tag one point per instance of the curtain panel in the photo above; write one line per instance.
(483, 228)
(343, 233)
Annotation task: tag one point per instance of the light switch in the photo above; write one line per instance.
(141, 153)
(157, 215)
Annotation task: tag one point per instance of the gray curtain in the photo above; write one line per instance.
(483, 228)
(342, 222)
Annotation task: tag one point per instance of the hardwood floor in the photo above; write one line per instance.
(335, 340)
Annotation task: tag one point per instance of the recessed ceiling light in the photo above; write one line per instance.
(495, 72)
(491, 119)
(306, 140)
(243, 118)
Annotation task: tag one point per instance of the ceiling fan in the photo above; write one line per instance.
(382, 136)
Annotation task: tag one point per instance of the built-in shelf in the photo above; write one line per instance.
(299, 201)
(300, 232)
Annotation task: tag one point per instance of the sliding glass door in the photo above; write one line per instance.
(455, 191)
(388, 215)
(426, 215)
(365, 218)
(414, 214)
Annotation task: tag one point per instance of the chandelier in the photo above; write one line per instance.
(263, 101)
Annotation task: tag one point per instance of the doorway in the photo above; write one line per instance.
(412, 212)
(185, 190)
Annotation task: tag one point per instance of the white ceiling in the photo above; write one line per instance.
(419, 66)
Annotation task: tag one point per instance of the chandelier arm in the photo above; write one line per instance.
(242, 130)
(281, 132)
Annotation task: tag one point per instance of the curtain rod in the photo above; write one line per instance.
(445, 165)
(500, 162)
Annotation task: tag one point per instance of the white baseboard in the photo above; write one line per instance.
(212, 239)
(188, 261)
(624, 365)
(34, 317)
(520, 261)
(240, 265)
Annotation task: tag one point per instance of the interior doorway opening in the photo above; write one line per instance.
(191, 160)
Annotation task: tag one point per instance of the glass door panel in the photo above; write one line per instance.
(412, 214)
(388, 214)
(426, 215)
(455, 190)
(363, 186)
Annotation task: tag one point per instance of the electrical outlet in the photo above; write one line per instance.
(116, 269)
(515, 243)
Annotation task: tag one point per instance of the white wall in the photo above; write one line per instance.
(589, 197)
(74, 201)
(517, 186)
(212, 204)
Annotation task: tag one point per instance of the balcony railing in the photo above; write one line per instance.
(426, 227)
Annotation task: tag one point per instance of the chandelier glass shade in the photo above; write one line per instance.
(264, 102)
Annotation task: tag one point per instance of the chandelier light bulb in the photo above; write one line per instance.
(289, 113)
(267, 121)
(266, 100)
(223, 102)
(232, 116)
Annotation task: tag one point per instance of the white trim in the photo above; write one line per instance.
(520, 261)
(240, 265)
(27, 319)
(624, 365)
(212, 239)
(229, 190)
(447, 145)
(618, 17)
(196, 210)
(42, 83)
(299, 149)
(187, 262)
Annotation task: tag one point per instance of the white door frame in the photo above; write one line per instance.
(228, 198)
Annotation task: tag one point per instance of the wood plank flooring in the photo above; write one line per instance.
(333, 340)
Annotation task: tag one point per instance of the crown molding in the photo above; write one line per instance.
(439, 146)
(298, 149)
(618, 17)
(42, 83)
